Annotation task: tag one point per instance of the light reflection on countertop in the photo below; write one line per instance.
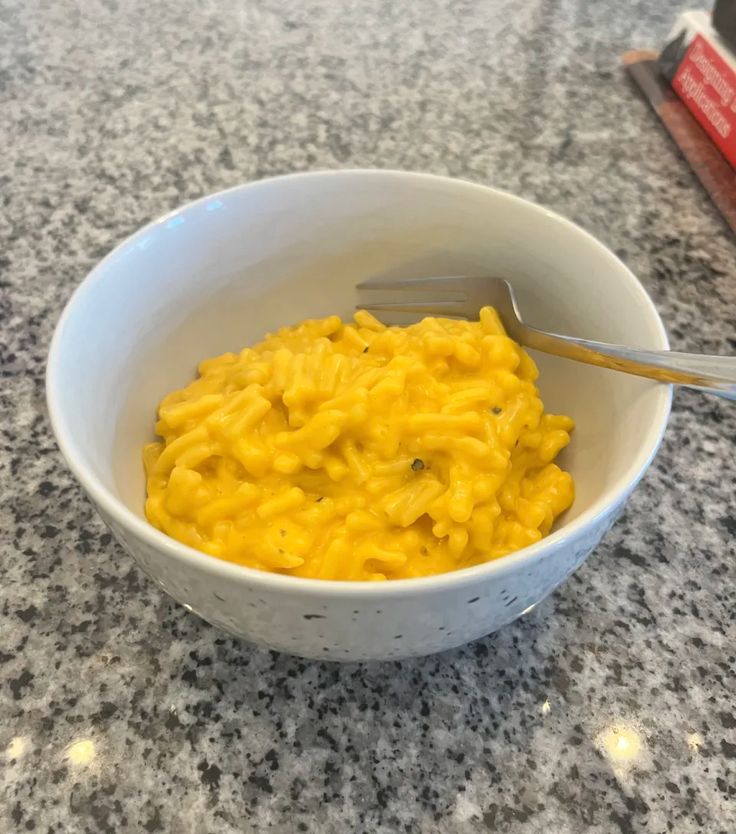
(17, 748)
(81, 752)
(695, 742)
(621, 744)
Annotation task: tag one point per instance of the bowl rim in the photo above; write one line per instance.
(142, 529)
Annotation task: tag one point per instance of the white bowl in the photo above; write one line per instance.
(217, 274)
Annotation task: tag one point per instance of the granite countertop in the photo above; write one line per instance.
(611, 707)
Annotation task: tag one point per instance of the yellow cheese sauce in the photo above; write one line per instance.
(357, 451)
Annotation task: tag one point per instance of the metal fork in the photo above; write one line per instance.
(463, 296)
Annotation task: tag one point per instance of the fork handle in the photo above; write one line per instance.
(712, 374)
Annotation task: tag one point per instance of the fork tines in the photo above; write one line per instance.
(440, 307)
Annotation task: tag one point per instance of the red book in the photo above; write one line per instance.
(702, 71)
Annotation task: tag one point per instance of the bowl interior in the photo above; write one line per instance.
(218, 274)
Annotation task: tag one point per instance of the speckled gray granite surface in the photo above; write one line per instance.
(611, 707)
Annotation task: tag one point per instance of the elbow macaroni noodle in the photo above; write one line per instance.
(361, 452)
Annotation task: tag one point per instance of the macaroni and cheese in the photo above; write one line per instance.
(357, 451)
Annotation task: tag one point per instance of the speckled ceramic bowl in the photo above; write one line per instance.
(217, 274)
